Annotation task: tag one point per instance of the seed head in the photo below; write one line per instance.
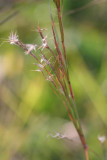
(44, 43)
(13, 38)
(30, 47)
(102, 139)
(49, 78)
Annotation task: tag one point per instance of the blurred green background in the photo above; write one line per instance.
(29, 110)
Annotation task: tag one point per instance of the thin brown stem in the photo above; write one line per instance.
(81, 136)
(85, 147)
(61, 31)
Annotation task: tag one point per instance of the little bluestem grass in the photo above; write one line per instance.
(52, 63)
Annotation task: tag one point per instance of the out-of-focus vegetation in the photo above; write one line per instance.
(29, 110)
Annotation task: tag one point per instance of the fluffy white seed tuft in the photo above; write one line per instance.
(102, 139)
(13, 38)
(30, 48)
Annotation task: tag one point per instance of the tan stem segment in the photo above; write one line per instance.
(82, 138)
